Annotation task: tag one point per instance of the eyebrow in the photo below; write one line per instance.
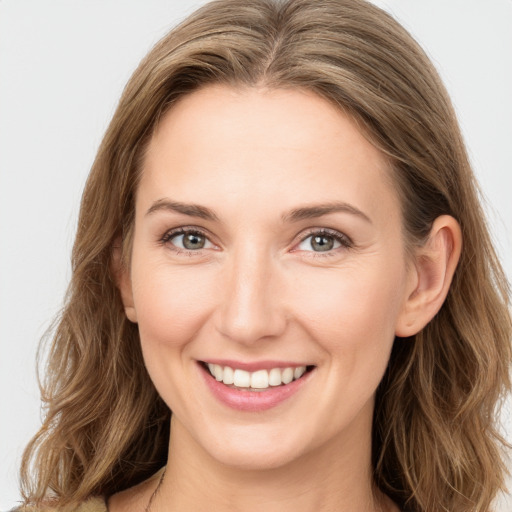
(193, 210)
(310, 212)
(295, 215)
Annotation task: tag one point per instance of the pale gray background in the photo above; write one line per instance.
(63, 65)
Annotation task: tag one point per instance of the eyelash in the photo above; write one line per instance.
(344, 241)
(169, 235)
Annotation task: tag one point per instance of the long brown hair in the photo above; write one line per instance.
(435, 441)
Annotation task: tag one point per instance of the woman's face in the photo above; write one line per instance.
(267, 242)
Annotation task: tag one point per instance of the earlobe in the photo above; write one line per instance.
(433, 269)
(123, 282)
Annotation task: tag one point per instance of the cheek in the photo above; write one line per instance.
(352, 311)
(353, 321)
(171, 304)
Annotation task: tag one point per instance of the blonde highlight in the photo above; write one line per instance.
(436, 445)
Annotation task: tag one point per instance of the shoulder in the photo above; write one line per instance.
(91, 505)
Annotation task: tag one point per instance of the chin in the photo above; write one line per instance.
(250, 460)
(254, 452)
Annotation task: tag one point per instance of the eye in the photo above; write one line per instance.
(324, 241)
(187, 240)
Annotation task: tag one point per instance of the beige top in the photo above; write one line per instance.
(96, 504)
(90, 505)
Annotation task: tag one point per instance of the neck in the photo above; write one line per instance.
(336, 477)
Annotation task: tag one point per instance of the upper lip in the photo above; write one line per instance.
(254, 365)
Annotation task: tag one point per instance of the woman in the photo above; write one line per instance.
(280, 241)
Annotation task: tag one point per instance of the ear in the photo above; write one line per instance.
(432, 271)
(123, 281)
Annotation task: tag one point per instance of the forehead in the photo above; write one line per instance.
(283, 147)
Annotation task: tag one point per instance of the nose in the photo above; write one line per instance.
(251, 307)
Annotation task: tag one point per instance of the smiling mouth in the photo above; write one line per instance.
(259, 380)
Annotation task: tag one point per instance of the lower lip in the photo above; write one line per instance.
(252, 401)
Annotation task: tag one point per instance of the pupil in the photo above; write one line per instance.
(192, 241)
(322, 243)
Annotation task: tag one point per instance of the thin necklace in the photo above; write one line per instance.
(155, 492)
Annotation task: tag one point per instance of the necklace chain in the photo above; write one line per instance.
(155, 492)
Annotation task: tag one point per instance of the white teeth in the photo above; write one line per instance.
(299, 372)
(242, 379)
(217, 372)
(228, 375)
(260, 379)
(287, 376)
(274, 377)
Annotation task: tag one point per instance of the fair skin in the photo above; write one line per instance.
(268, 234)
